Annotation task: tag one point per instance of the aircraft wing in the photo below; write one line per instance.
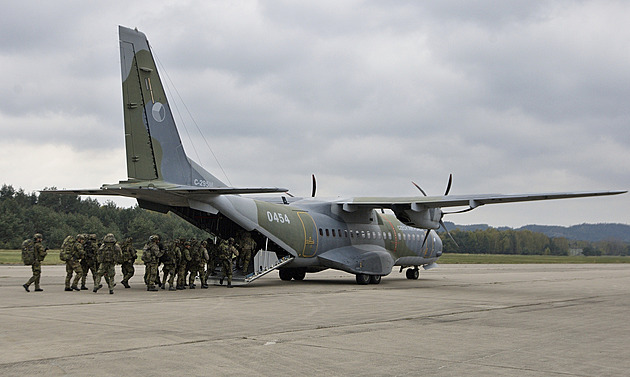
(472, 201)
(167, 194)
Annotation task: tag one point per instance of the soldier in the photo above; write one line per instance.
(193, 264)
(108, 255)
(213, 256)
(202, 264)
(129, 256)
(88, 262)
(183, 264)
(169, 259)
(248, 245)
(151, 254)
(73, 264)
(226, 252)
(40, 254)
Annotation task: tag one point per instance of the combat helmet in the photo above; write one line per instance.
(38, 236)
(109, 238)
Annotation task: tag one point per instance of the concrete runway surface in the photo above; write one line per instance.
(457, 320)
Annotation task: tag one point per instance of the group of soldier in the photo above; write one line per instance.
(183, 261)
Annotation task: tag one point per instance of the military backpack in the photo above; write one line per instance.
(28, 252)
(106, 253)
(147, 254)
(66, 249)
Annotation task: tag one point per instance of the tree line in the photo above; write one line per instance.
(59, 215)
(525, 242)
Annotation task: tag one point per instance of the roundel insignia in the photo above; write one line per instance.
(158, 111)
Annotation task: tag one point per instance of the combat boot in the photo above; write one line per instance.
(229, 284)
(171, 288)
(204, 286)
(38, 289)
(125, 284)
(111, 291)
(26, 287)
(152, 289)
(75, 288)
(83, 287)
(192, 286)
(68, 289)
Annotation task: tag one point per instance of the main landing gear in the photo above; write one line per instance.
(413, 273)
(287, 274)
(364, 279)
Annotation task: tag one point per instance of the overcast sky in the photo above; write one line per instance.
(509, 96)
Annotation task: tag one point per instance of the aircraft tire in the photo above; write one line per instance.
(375, 279)
(285, 274)
(299, 274)
(413, 274)
(363, 279)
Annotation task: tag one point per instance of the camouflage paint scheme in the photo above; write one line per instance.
(353, 235)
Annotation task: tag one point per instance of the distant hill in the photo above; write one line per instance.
(582, 232)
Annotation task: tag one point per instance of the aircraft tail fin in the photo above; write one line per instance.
(154, 148)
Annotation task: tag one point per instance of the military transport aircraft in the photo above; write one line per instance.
(354, 235)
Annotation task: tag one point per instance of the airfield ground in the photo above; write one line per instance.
(500, 320)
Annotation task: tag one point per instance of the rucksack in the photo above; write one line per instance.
(147, 255)
(28, 252)
(66, 249)
(107, 252)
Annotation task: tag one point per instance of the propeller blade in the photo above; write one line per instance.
(449, 233)
(426, 235)
(448, 186)
(419, 188)
(314, 186)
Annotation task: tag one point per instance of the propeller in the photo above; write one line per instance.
(448, 189)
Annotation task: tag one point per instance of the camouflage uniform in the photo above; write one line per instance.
(195, 260)
(247, 248)
(88, 263)
(183, 264)
(40, 254)
(129, 256)
(203, 260)
(108, 254)
(169, 259)
(74, 264)
(213, 257)
(226, 252)
(151, 255)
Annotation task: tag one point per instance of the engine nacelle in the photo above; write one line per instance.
(425, 218)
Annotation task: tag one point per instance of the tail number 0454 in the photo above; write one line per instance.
(278, 217)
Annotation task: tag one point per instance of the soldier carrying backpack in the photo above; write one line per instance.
(108, 255)
(35, 254)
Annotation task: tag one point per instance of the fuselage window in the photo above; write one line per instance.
(333, 232)
(345, 232)
(339, 233)
(327, 233)
(321, 232)
(389, 235)
(362, 234)
(399, 236)
(368, 235)
(351, 234)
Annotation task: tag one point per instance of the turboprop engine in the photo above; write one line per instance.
(420, 217)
